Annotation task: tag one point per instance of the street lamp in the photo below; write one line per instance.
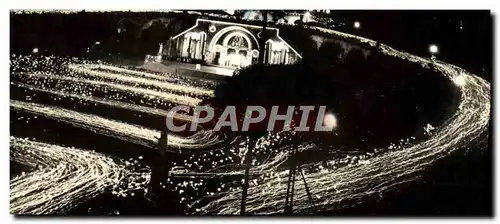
(35, 50)
(330, 121)
(357, 25)
(433, 49)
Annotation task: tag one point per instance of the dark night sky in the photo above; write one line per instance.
(470, 47)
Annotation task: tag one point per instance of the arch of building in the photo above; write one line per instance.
(221, 41)
(223, 31)
(237, 33)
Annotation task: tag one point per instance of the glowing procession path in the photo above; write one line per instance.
(170, 97)
(345, 186)
(268, 165)
(64, 177)
(87, 70)
(108, 102)
(68, 176)
(127, 132)
(86, 67)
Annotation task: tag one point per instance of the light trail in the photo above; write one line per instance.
(127, 132)
(63, 177)
(82, 68)
(118, 69)
(348, 185)
(108, 102)
(225, 171)
(73, 87)
(165, 76)
(179, 99)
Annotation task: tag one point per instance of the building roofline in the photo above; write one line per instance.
(288, 45)
(233, 23)
(185, 31)
(237, 24)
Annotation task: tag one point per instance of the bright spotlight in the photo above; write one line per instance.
(357, 24)
(433, 49)
(330, 121)
(459, 80)
(35, 50)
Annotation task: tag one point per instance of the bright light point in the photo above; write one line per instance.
(330, 121)
(459, 80)
(327, 11)
(357, 24)
(433, 49)
(35, 50)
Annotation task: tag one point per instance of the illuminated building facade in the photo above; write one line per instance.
(228, 44)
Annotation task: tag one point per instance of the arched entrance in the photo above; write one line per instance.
(232, 47)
